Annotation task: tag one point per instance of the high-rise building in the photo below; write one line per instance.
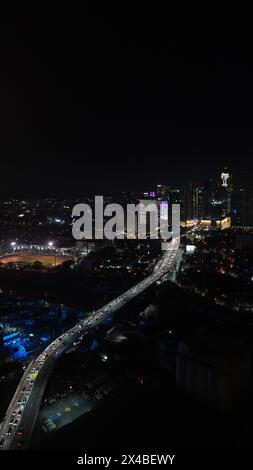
(209, 196)
(240, 207)
(178, 196)
(195, 201)
(225, 187)
(249, 219)
(162, 191)
(213, 374)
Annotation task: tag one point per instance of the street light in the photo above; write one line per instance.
(51, 246)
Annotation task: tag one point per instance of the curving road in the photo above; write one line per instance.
(17, 426)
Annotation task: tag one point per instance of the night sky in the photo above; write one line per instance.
(96, 102)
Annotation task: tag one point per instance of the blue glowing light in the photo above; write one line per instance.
(94, 345)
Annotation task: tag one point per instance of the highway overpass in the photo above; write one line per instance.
(18, 424)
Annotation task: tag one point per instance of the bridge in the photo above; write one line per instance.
(19, 421)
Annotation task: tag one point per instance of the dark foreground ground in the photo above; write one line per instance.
(152, 417)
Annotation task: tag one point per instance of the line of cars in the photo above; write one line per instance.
(16, 415)
(91, 320)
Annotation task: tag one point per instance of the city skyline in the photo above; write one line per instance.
(126, 235)
(241, 179)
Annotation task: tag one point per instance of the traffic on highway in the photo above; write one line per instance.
(13, 428)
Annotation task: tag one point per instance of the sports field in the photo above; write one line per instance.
(47, 260)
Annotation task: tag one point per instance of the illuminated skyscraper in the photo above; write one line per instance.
(195, 201)
(226, 191)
